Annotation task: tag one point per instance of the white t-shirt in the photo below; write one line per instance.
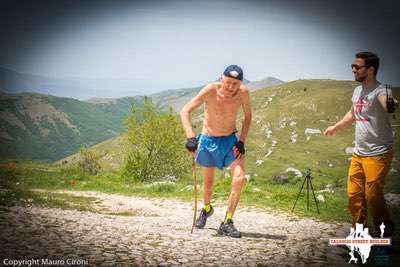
(373, 129)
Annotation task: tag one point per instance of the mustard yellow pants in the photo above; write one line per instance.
(365, 184)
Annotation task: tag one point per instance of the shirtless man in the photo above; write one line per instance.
(217, 145)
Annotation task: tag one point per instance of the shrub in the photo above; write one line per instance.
(154, 144)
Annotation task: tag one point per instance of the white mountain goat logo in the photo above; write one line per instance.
(360, 241)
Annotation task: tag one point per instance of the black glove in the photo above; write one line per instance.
(240, 147)
(192, 144)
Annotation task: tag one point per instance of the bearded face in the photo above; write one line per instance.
(359, 69)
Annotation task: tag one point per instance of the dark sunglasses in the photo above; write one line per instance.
(357, 67)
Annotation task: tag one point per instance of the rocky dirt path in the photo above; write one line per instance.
(157, 233)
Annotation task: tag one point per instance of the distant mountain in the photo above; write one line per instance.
(175, 99)
(267, 82)
(99, 100)
(99, 90)
(45, 127)
(78, 88)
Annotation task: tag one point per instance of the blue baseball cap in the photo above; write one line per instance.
(234, 71)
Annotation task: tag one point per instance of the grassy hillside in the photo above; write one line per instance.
(285, 112)
(111, 154)
(43, 127)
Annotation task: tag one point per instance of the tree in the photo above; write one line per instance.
(155, 147)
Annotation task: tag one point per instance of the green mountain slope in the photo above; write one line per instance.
(43, 127)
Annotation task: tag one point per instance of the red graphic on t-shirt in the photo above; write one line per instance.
(359, 105)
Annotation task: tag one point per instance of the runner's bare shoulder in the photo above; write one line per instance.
(244, 92)
(209, 90)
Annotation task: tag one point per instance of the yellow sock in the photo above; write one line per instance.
(207, 207)
(229, 216)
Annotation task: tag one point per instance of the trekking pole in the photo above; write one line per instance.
(195, 192)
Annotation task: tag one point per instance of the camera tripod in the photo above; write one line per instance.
(309, 185)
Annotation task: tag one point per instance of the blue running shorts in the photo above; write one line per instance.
(215, 151)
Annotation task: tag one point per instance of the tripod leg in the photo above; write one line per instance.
(308, 191)
(298, 194)
(315, 200)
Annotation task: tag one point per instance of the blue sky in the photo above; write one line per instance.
(186, 43)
